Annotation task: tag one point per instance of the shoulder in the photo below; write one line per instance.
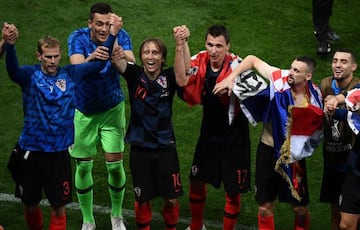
(123, 33)
(356, 80)
(201, 55)
(235, 57)
(326, 84)
(170, 75)
(81, 33)
(326, 79)
(124, 40)
(169, 72)
(132, 71)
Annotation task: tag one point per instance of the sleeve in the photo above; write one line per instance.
(78, 71)
(340, 114)
(131, 72)
(124, 40)
(76, 44)
(18, 75)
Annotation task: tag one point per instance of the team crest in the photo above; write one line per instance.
(61, 84)
(161, 80)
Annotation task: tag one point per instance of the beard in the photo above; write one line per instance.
(291, 81)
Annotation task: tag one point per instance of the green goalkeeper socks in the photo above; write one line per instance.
(84, 189)
(116, 180)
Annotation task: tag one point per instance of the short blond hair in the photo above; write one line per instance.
(47, 42)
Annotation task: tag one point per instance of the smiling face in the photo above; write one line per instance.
(152, 59)
(343, 66)
(99, 27)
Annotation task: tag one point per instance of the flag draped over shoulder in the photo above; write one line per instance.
(192, 92)
(296, 130)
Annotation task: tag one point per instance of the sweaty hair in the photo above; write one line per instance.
(47, 42)
(218, 30)
(100, 8)
(309, 61)
(159, 44)
(349, 51)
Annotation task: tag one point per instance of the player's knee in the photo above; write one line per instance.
(171, 202)
(113, 166)
(113, 157)
(83, 168)
(31, 207)
(58, 211)
(301, 210)
(266, 209)
(233, 200)
(343, 225)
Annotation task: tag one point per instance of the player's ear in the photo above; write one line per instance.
(38, 55)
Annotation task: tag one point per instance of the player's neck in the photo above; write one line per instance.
(300, 96)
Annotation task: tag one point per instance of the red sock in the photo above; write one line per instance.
(34, 218)
(266, 222)
(171, 216)
(57, 222)
(231, 211)
(143, 215)
(302, 222)
(197, 199)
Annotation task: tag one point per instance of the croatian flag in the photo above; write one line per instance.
(296, 130)
(304, 130)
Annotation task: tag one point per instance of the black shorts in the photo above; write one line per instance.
(155, 172)
(269, 184)
(41, 171)
(331, 185)
(349, 200)
(214, 163)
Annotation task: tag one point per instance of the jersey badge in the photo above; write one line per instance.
(161, 80)
(61, 84)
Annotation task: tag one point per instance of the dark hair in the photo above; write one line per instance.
(100, 8)
(47, 42)
(310, 62)
(218, 30)
(347, 50)
(159, 44)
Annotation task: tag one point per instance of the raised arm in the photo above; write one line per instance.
(15, 73)
(182, 54)
(121, 53)
(248, 63)
(119, 59)
(11, 33)
(101, 52)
